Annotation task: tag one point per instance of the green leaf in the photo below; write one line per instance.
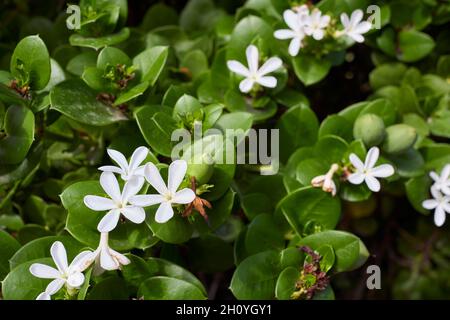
(157, 128)
(336, 125)
(255, 278)
(209, 254)
(176, 230)
(82, 222)
(111, 56)
(40, 248)
(30, 62)
(166, 288)
(286, 283)
(19, 129)
(418, 190)
(350, 252)
(20, 284)
(298, 127)
(150, 63)
(311, 204)
(310, 69)
(414, 45)
(131, 93)
(328, 257)
(100, 42)
(112, 288)
(263, 234)
(8, 246)
(76, 100)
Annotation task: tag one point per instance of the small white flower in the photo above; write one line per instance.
(296, 22)
(367, 172)
(168, 195)
(125, 169)
(442, 181)
(315, 24)
(326, 181)
(441, 205)
(106, 258)
(355, 27)
(118, 202)
(70, 275)
(253, 74)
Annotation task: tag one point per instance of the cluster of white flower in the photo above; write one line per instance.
(440, 191)
(363, 172)
(302, 23)
(127, 203)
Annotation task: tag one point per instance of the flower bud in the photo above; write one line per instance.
(201, 169)
(399, 138)
(370, 129)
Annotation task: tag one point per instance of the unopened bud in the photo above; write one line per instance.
(370, 129)
(399, 138)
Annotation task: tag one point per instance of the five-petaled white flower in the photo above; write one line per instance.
(168, 195)
(442, 181)
(367, 172)
(117, 204)
(125, 169)
(296, 22)
(441, 205)
(106, 258)
(253, 74)
(354, 27)
(70, 275)
(315, 24)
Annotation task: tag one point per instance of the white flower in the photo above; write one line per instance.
(118, 204)
(326, 181)
(355, 27)
(125, 169)
(168, 195)
(252, 74)
(296, 22)
(315, 24)
(367, 172)
(70, 275)
(107, 258)
(440, 203)
(442, 182)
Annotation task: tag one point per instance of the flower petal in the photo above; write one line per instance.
(324, 21)
(430, 204)
(109, 221)
(356, 162)
(43, 271)
(43, 296)
(238, 68)
(97, 203)
(154, 178)
(246, 85)
(82, 261)
(371, 157)
(164, 212)
(356, 178)
(445, 174)
(383, 171)
(435, 193)
(75, 280)
(439, 216)
(118, 158)
(372, 183)
(269, 81)
(294, 46)
(145, 200)
(363, 27)
(177, 171)
(134, 214)
(54, 286)
(356, 16)
(284, 34)
(109, 183)
(111, 169)
(291, 19)
(137, 157)
(59, 255)
(107, 261)
(252, 58)
(318, 34)
(270, 65)
(345, 20)
(184, 196)
(119, 257)
(356, 37)
(131, 188)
